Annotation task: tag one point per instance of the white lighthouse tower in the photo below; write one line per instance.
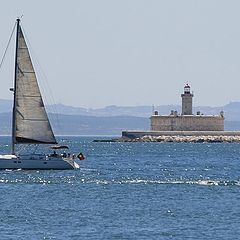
(187, 101)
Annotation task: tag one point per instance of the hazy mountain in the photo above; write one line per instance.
(231, 110)
(84, 125)
(111, 120)
(141, 111)
(88, 125)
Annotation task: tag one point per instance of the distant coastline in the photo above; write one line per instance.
(95, 126)
(111, 120)
(231, 110)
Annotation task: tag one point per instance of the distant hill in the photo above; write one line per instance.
(88, 125)
(231, 110)
(84, 125)
(111, 120)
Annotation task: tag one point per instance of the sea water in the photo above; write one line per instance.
(126, 191)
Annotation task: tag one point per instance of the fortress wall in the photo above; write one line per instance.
(187, 123)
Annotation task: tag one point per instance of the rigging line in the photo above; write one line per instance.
(4, 55)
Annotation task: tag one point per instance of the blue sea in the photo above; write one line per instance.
(126, 191)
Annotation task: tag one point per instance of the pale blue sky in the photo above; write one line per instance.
(129, 52)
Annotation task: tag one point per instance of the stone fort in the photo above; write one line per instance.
(187, 121)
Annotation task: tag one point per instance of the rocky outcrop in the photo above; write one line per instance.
(193, 139)
(177, 138)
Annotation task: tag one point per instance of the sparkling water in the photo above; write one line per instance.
(126, 191)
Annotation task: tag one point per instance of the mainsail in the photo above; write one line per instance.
(31, 123)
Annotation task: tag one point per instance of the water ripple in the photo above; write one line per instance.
(29, 179)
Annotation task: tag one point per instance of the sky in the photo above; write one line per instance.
(92, 53)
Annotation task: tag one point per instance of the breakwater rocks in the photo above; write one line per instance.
(196, 139)
(191, 139)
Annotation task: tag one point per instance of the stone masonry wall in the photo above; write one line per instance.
(187, 123)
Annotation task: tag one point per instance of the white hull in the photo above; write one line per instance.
(36, 161)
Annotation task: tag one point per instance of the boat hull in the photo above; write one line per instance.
(36, 162)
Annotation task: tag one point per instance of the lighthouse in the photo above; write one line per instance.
(187, 101)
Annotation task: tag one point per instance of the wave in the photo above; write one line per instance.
(85, 180)
(171, 182)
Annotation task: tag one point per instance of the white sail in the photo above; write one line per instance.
(31, 120)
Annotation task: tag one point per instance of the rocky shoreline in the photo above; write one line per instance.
(190, 139)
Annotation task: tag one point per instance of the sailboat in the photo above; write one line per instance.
(30, 123)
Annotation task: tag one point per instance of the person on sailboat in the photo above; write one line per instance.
(54, 154)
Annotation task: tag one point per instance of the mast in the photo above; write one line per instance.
(14, 91)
